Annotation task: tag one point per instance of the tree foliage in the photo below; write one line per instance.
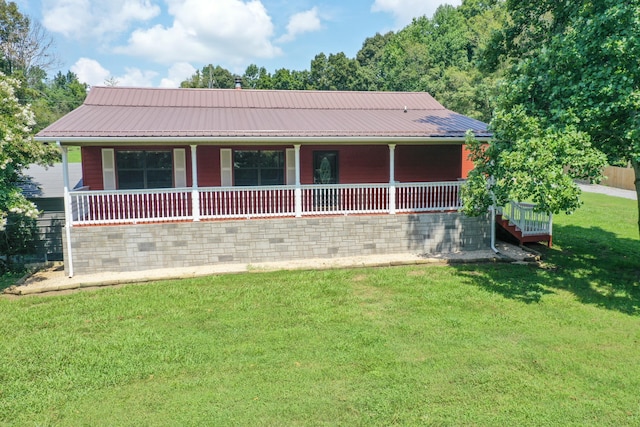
(574, 74)
(210, 77)
(53, 99)
(25, 47)
(18, 150)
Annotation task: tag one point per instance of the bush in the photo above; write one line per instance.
(19, 237)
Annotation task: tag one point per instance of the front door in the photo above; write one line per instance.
(325, 172)
(325, 167)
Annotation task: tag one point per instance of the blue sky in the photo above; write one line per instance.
(160, 43)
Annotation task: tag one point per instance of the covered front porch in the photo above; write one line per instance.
(312, 180)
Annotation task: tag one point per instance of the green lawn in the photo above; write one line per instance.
(489, 344)
(74, 155)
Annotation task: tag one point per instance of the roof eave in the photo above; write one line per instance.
(244, 140)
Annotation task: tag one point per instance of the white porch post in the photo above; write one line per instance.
(297, 195)
(68, 208)
(195, 194)
(392, 179)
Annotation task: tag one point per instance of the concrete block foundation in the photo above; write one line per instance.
(137, 247)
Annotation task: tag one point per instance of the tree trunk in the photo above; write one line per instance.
(636, 170)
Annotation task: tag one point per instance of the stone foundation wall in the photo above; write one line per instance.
(185, 244)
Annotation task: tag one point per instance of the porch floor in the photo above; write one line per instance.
(53, 279)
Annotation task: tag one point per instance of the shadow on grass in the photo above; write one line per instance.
(593, 264)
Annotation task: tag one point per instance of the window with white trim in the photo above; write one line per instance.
(258, 167)
(144, 169)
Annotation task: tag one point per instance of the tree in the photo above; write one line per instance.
(336, 72)
(56, 98)
(17, 151)
(210, 77)
(284, 79)
(256, 78)
(25, 47)
(575, 78)
(439, 55)
(369, 56)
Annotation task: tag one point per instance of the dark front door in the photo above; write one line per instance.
(325, 167)
(325, 171)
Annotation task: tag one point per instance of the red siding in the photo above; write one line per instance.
(92, 163)
(208, 166)
(467, 164)
(416, 163)
(356, 164)
(92, 168)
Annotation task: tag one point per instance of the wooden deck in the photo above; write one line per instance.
(522, 238)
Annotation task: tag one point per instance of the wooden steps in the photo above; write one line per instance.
(514, 231)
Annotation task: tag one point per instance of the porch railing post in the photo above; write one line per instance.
(195, 194)
(68, 209)
(297, 193)
(392, 179)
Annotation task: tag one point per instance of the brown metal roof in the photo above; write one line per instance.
(145, 112)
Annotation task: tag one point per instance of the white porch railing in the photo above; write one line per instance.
(428, 198)
(246, 202)
(130, 206)
(345, 199)
(173, 204)
(523, 216)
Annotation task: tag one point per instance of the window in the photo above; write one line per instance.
(258, 167)
(144, 169)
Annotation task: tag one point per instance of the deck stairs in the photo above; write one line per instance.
(524, 224)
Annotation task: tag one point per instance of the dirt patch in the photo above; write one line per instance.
(360, 278)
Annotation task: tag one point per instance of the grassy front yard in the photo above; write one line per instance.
(490, 344)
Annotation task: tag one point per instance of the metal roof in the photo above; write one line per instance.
(116, 112)
(43, 181)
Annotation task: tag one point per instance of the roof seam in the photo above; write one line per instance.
(265, 107)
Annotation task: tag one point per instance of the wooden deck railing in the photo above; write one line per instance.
(530, 222)
(135, 206)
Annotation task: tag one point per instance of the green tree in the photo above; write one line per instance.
(56, 98)
(17, 151)
(369, 56)
(210, 77)
(25, 47)
(439, 55)
(256, 78)
(336, 72)
(284, 79)
(575, 79)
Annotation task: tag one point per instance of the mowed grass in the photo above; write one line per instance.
(485, 344)
(74, 155)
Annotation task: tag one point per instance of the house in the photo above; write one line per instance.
(44, 187)
(185, 177)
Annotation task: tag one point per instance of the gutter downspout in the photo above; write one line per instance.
(67, 206)
(493, 216)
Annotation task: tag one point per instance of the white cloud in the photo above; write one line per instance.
(405, 10)
(207, 31)
(81, 19)
(93, 73)
(177, 74)
(90, 71)
(300, 23)
(136, 78)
